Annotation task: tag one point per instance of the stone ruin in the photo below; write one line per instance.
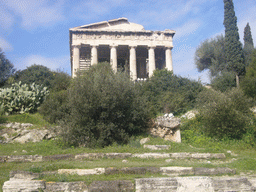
(167, 127)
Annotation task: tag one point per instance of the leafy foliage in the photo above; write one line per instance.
(248, 44)
(210, 54)
(224, 81)
(170, 93)
(233, 47)
(224, 115)
(22, 98)
(105, 107)
(6, 68)
(55, 107)
(37, 74)
(249, 82)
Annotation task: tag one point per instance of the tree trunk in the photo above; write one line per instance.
(237, 81)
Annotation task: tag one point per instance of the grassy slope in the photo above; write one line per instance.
(245, 159)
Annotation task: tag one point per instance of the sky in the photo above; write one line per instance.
(37, 31)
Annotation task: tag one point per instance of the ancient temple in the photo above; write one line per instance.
(127, 46)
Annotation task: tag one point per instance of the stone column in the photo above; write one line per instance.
(151, 61)
(76, 59)
(94, 55)
(133, 68)
(168, 58)
(113, 58)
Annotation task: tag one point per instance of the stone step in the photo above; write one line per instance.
(169, 171)
(194, 184)
(39, 158)
(23, 181)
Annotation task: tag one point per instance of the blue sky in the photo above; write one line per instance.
(37, 31)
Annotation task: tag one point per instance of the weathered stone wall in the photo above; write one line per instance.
(25, 181)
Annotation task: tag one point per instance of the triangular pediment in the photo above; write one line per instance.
(120, 24)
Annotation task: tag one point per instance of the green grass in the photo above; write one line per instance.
(35, 119)
(193, 141)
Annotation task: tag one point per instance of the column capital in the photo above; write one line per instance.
(94, 46)
(132, 46)
(76, 46)
(168, 48)
(151, 47)
(113, 46)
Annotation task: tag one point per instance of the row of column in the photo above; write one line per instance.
(113, 59)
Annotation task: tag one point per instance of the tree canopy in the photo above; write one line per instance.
(6, 68)
(249, 82)
(210, 54)
(248, 44)
(233, 47)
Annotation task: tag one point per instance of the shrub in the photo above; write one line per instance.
(224, 81)
(105, 107)
(171, 93)
(224, 115)
(22, 98)
(249, 82)
(55, 107)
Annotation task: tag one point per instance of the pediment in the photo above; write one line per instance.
(120, 24)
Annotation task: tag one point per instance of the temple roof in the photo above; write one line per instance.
(116, 25)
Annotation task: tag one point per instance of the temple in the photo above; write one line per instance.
(127, 46)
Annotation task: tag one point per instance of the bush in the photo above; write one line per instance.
(170, 93)
(55, 107)
(225, 115)
(22, 98)
(249, 82)
(224, 81)
(105, 107)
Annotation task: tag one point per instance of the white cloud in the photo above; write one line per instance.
(35, 13)
(243, 19)
(54, 63)
(6, 19)
(188, 28)
(5, 45)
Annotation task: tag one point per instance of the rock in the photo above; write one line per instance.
(167, 128)
(253, 109)
(24, 158)
(144, 140)
(124, 161)
(96, 171)
(208, 155)
(109, 186)
(90, 156)
(58, 157)
(117, 155)
(23, 175)
(170, 115)
(214, 171)
(20, 132)
(192, 184)
(171, 123)
(33, 135)
(171, 171)
(180, 155)
(232, 184)
(103, 155)
(190, 114)
(66, 187)
(24, 151)
(21, 184)
(151, 155)
(157, 147)
(156, 184)
(168, 160)
(23, 181)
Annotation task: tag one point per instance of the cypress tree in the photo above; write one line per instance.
(248, 44)
(233, 47)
